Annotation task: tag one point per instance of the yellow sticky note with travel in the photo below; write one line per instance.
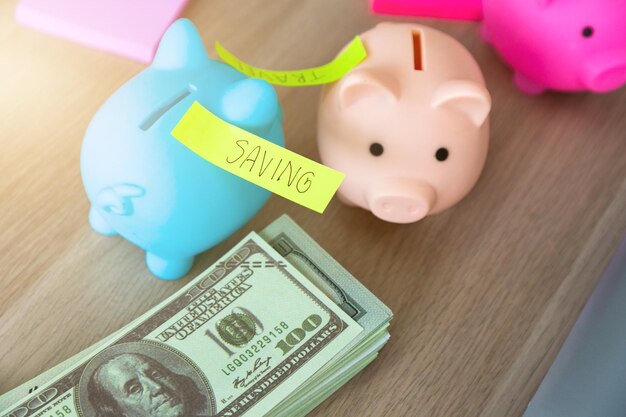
(328, 73)
(257, 160)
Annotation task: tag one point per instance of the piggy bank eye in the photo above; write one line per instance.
(587, 31)
(442, 154)
(376, 149)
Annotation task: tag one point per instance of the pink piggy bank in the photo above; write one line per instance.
(566, 45)
(562, 45)
(408, 126)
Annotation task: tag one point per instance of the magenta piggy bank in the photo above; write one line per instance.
(565, 45)
(408, 126)
(560, 44)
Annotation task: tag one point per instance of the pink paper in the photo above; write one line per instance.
(131, 28)
(447, 9)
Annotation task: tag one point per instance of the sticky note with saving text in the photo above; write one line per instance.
(324, 74)
(257, 160)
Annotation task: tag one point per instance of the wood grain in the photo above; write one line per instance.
(483, 294)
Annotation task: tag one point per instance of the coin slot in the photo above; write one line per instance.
(168, 105)
(417, 51)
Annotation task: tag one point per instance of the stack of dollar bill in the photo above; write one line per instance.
(273, 328)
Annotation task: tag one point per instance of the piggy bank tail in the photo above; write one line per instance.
(118, 199)
(445, 9)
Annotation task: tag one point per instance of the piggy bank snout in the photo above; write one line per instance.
(400, 200)
(605, 72)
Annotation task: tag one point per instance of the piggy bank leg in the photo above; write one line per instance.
(98, 223)
(345, 200)
(484, 33)
(527, 86)
(167, 268)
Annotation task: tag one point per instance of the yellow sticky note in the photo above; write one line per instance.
(257, 160)
(328, 73)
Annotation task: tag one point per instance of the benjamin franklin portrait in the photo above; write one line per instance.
(143, 380)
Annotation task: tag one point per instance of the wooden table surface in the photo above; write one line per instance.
(483, 294)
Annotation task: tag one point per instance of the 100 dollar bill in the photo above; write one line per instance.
(236, 341)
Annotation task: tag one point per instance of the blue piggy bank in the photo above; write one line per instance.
(145, 185)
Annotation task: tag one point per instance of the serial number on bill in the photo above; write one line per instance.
(257, 346)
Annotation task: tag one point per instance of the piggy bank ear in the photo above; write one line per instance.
(250, 103)
(366, 85)
(180, 46)
(466, 97)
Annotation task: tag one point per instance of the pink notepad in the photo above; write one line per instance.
(131, 28)
(446, 9)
